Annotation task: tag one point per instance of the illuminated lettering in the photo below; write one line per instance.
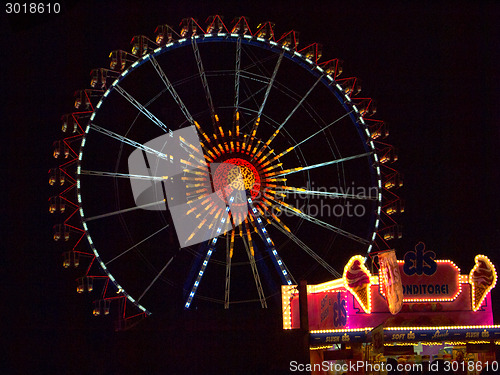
(424, 289)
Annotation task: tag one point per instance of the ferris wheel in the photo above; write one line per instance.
(212, 165)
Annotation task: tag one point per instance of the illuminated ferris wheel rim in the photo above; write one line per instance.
(309, 65)
(273, 46)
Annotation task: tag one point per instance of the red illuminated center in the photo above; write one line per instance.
(237, 174)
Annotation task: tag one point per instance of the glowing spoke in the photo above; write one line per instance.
(211, 249)
(270, 84)
(194, 148)
(259, 63)
(204, 219)
(192, 194)
(251, 258)
(156, 278)
(301, 169)
(268, 142)
(121, 175)
(321, 223)
(213, 242)
(171, 89)
(266, 95)
(229, 256)
(125, 210)
(323, 129)
(270, 212)
(128, 141)
(237, 75)
(203, 77)
(300, 102)
(311, 136)
(137, 244)
(308, 250)
(141, 108)
(207, 138)
(249, 238)
(288, 278)
(252, 96)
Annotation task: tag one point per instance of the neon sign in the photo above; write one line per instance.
(328, 309)
(357, 280)
(426, 279)
(482, 279)
(430, 286)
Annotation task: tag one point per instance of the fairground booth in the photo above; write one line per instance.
(418, 310)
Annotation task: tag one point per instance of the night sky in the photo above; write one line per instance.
(431, 66)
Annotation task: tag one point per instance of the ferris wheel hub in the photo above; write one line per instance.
(237, 174)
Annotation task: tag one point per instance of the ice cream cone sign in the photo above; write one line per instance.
(482, 279)
(357, 281)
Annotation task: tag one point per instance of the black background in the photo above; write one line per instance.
(433, 68)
